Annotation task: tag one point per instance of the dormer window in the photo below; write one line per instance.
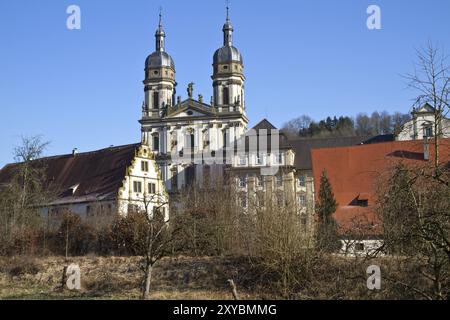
(70, 191)
(361, 200)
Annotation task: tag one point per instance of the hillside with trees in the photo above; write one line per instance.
(378, 123)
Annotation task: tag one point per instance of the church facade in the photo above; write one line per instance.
(191, 136)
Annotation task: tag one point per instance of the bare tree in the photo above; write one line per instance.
(363, 125)
(416, 222)
(297, 125)
(208, 220)
(431, 79)
(27, 189)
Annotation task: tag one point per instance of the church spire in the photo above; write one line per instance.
(227, 31)
(160, 34)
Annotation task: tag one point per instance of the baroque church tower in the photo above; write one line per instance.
(228, 74)
(188, 137)
(159, 78)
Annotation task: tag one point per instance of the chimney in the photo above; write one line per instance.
(74, 152)
(426, 149)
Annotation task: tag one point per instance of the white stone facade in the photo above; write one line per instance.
(422, 125)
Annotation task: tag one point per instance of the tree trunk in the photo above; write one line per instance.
(233, 289)
(67, 240)
(148, 281)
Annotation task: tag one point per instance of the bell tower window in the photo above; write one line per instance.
(226, 96)
(156, 142)
(155, 100)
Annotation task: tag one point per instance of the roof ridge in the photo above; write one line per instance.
(78, 154)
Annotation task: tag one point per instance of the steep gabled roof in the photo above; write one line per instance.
(426, 108)
(89, 176)
(264, 127)
(264, 124)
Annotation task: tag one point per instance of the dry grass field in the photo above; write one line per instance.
(119, 278)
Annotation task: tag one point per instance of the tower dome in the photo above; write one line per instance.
(159, 83)
(228, 74)
(227, 53)
(160, 58)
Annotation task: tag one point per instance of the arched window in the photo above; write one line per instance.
(226, 96)
(156, 142)
(155, 100)
(224, 139)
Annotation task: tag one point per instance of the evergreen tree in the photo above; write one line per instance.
(327, 233)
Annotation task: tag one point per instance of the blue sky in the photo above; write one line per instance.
(83, 88)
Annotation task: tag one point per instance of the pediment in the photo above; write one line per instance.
(426, 108)
(191, 108)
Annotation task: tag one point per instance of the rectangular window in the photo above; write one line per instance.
(152, 188)
(259, 182)
(189, 142)
(155, 100)
(242, 160)
(144, 166)
(280, 200)
(224, 139)
(302, 200)
(225, 96)
(133, 208)
(156, 142)
(359, 247)
(259, 160)
(242, 182)
(279, 158)
(303, 223)
(428, 132)
(243, 201)
(260, 200)
(279, 181)
(174, 180)
(137, 186)
(301, 181)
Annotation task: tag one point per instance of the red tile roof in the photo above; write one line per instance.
(355, 171)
